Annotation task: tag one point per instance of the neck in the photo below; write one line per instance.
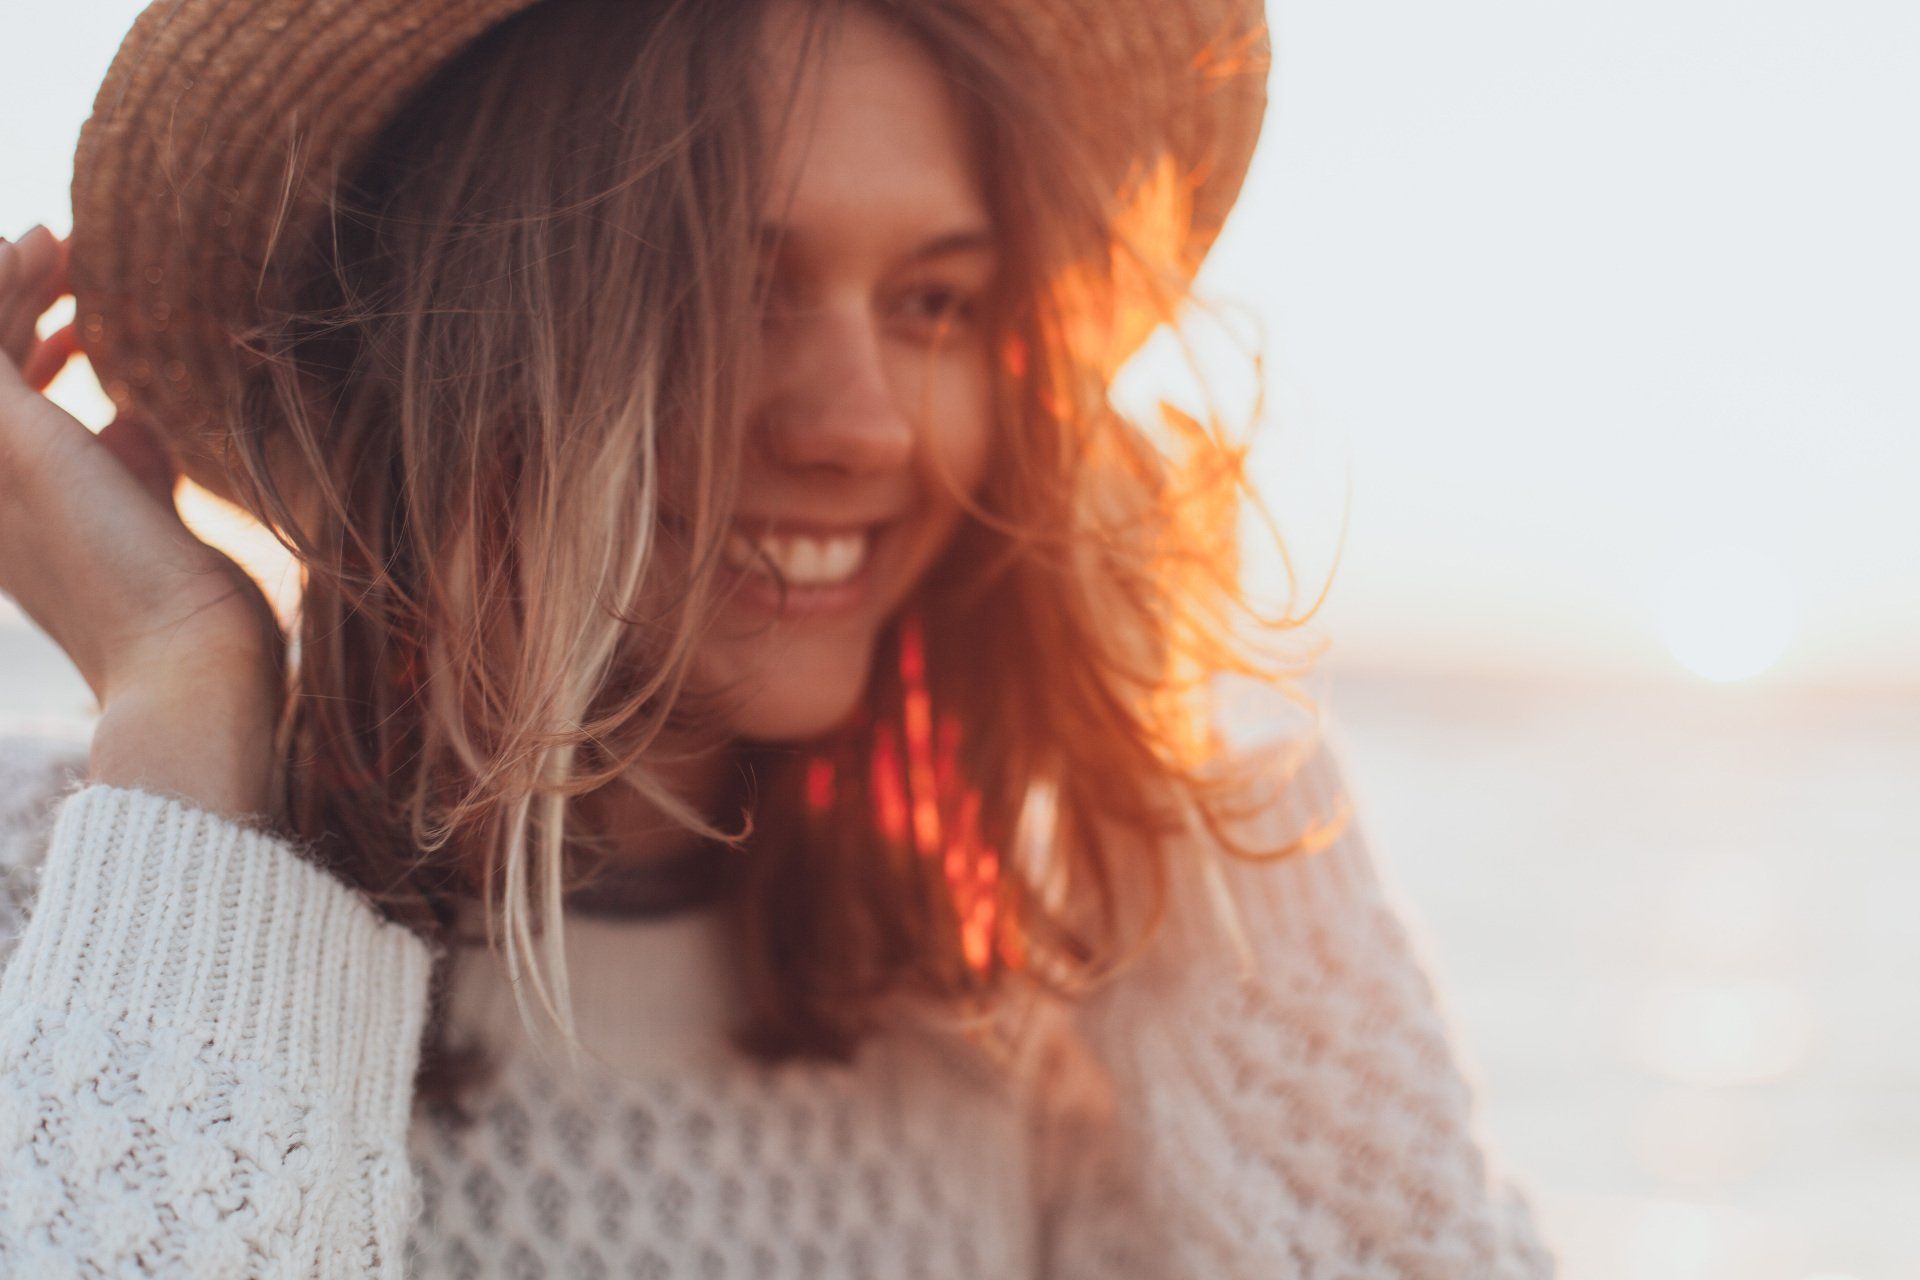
(653, 865)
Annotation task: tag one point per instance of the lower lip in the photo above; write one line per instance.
(761, 594)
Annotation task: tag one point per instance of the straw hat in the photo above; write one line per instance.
(178, 172)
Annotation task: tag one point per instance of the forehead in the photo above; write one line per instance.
(863, 129)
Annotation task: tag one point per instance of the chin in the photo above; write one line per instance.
(800, 689)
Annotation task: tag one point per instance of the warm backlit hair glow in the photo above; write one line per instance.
(508, 485)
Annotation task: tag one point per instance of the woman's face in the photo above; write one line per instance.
(872, 405)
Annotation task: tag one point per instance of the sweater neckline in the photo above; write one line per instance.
(689, 879)
(645, 990)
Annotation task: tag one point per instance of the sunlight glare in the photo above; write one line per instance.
(1671, 1239)
(1723, 1033)
(1727, 612)
(1688, 1136)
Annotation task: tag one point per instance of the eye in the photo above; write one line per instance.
(928, 310)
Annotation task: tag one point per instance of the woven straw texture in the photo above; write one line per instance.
(179, 172)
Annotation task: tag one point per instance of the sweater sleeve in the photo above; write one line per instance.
(1305, 1117)
(207, 1048)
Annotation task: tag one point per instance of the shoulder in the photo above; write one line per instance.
(1280, 797)
(1276, 862)
(1287, 786)
(38, 768)
(1278, 772)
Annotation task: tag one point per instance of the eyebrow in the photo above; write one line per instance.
(963, 240)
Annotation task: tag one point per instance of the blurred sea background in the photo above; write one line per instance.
(1589, 336)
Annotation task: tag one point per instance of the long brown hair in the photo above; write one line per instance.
(500, 434)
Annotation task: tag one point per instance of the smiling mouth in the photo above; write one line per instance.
(810, 559)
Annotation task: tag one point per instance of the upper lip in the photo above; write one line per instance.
(776, 526)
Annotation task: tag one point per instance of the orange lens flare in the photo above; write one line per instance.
(889, 789)
(924, 786)
(921, 796)
(819, 784)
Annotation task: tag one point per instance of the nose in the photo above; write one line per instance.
(832, 405)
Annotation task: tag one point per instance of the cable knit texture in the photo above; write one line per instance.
(207, 1046)
(1307, 1119)
(204, 1056)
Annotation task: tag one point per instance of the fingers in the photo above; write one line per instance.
(33, 276)
(11, 268)
(51, 356)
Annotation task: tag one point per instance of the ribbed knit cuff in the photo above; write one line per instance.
(154, 910)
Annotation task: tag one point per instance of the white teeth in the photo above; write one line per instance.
(803, 561)
(840, 557)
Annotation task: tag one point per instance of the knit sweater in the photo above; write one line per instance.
(208, 1043)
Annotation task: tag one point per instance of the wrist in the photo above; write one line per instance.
(203, 735)
(224, 653)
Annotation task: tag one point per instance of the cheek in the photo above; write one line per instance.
(953, 449)
(957, 433)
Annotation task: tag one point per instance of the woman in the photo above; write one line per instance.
(743, 796)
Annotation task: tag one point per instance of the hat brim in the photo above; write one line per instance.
(179, 172)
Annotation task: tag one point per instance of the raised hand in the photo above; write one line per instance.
(94, 550)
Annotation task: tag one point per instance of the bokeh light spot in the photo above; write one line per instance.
(1727, 612)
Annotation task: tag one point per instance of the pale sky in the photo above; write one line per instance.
(1607, 312)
